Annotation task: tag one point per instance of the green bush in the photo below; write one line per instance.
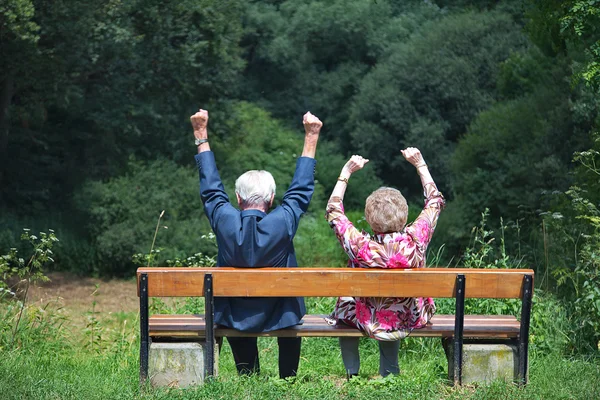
(574, 243)
(316, 244)
(124, 211)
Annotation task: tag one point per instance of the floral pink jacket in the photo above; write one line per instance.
(386, 318)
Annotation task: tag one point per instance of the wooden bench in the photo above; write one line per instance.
(335, 282)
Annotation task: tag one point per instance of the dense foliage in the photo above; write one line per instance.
(501, 97)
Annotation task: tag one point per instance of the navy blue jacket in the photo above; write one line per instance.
(252, 238)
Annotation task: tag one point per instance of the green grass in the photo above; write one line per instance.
(80, 375)
(51, 359)
(52, 362)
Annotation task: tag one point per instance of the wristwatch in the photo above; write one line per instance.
(198, 142)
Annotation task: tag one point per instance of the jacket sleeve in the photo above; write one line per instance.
(297, 198)
(212, 192)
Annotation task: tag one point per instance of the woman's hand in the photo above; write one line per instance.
(354, 164)
(413, 156)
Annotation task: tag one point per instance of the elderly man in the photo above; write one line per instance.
(252, 237)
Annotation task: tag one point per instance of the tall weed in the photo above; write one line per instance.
(12, 265)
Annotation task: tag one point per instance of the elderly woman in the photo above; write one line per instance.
(394, 245)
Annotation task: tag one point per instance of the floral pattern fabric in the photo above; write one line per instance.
(386, 318)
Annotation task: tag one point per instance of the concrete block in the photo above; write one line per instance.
(485, 363)
(179, 364)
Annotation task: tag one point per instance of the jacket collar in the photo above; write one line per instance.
(253, 213)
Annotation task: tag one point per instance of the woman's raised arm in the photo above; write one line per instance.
(414, 156)
(422, 228)
(354, 164)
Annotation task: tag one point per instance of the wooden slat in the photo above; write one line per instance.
(333, 282)
(476, 326)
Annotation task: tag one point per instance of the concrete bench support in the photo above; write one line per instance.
(485, 362)
(178, 364)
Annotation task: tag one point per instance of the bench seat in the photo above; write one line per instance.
(475, 326)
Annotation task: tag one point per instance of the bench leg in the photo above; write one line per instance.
(524, 332)
(144, 340)
(459, 321)
(209, 313)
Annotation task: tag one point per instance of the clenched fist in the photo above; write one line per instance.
(354, 164)
(413, 156)
(199, 122)
(312, 124)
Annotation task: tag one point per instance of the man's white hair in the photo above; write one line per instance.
(255, 189)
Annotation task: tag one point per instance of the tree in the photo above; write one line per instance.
(312, 55)
(429, 88)
(106, 80)
(570, 27)
(18, 38)
(574, 222)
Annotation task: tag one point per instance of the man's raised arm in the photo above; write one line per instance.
(297, 198)
(312, 128)
(212, 191)
(200, 125)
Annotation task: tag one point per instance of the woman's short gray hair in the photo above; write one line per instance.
(386, 210)
(255, 189)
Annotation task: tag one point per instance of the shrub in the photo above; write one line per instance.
(123, 213)
(574, 229)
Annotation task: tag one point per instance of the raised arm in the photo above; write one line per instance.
(200, 125)
(354, 164)
(414, 156)
(354, 242)
(297, 198)
(422, 228)
(312, 129)
(212, 191)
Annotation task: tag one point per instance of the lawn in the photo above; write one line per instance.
(83, 349)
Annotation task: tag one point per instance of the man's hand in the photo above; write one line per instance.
(312, 128)
(413, 156)
(312, 124)
(199, 123)
(355, 163)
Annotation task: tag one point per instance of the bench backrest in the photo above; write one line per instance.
(333, 282)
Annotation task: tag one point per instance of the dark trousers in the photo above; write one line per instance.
(245, 354)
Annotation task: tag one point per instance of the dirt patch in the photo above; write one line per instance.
(76, 295)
